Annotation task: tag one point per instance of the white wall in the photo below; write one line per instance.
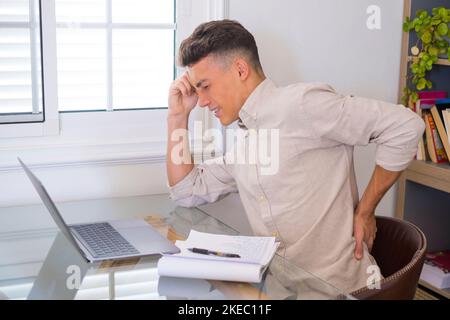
(327, 40)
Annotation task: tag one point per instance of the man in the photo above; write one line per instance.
(311, 203)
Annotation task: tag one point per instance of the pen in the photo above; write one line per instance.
(215, 253)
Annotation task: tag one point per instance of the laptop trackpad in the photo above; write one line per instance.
(143, 237)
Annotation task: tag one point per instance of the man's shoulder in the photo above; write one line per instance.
(308, 86)
(301, 92)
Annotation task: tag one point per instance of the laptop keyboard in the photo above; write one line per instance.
(104, 241)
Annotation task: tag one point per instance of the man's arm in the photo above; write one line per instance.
(182, 99)
(359, 121)
(179, 159)
(190, 185)
(364, 226)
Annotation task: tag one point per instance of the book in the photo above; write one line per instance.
(422, 104)
(421, 155)
(437, 112)
(440, 259)
(446, 115)
(436, 269)
(443, 106)
(432, 94)
(255, 255)
(427, 99)
(434, 145)
(425, 154)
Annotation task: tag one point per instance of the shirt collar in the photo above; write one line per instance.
(248, 112)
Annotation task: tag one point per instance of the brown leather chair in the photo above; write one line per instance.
(399, 249)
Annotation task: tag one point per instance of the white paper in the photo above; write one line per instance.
(255, 252)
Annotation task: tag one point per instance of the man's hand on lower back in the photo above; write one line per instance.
(364, 230)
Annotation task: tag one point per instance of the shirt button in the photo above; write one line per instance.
(261, 198)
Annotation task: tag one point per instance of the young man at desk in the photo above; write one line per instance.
(311, 203)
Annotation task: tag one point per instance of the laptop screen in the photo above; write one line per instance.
(51, 207)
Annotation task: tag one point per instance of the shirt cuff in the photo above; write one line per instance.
(183, 188)
(394, 159)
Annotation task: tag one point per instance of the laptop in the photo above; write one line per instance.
(109, 240)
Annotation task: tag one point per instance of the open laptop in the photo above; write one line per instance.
(108, 240)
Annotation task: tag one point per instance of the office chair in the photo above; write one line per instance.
(399, 249)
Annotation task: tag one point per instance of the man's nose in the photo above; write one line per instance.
(203, 101)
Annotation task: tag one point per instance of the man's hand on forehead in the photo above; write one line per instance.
(188, 77)
(187, 84)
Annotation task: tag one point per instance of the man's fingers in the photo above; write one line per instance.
(182, 87)
(370, 244)
(359, 246)
(187, 85)
(187, 81)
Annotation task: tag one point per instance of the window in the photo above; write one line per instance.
(21, 97)
(110, 55)
(114, 54)
(101, 78)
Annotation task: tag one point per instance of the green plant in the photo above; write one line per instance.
(433, 34)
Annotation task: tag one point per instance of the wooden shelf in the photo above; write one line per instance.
(442, 62)
(438, 170)
(430, 174)
(443, 292)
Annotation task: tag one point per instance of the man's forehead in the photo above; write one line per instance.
(194, 80)
(204, 70)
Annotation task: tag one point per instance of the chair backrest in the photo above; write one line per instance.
(399, 249)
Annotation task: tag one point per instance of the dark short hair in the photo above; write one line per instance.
(218, 37)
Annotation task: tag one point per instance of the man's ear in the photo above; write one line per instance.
(242, 68)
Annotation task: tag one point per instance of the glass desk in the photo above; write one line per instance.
(63, 274)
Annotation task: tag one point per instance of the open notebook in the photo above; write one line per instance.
(255, 254)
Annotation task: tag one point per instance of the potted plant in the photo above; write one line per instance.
(433, 38)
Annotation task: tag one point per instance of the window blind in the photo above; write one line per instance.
(20, 61)
(114, 54)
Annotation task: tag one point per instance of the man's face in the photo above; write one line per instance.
(219, 87)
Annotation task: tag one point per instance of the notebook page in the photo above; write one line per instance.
(257, 250)
(177, 266)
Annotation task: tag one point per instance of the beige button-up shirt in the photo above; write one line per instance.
(310, 201)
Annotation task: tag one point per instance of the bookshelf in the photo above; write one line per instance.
(445, 293)
(424, 188)
(424, 199)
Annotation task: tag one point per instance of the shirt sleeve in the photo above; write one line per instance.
(358, 121)
(206, 183)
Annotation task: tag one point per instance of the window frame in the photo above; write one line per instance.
(36, 115)
(16, 126)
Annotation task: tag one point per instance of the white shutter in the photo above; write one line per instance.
(14, 10)
(114, 54)
(142, 67)
(20, 61)
(82, 69)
